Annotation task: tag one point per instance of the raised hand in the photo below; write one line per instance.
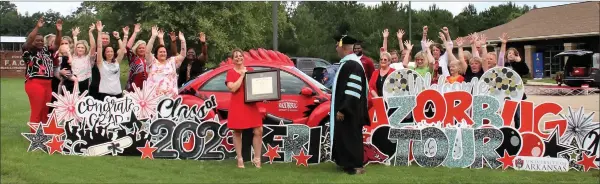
(116, 34)
(428, 43)
(40, 22)
(400, 33)
(472, 38)
(172, 36)
(425, 29)
(408, 45)
(126, 30)
(75, 31)
(59, 25)
(181, 37)
(504, 38)
(161, 34)
(154, 30)
(445, 30)
(99, 26)
(442, 37)
(460, 41)
(202, 37)
(137, 28)
(385, 33)
(92, 27)
(482, 39)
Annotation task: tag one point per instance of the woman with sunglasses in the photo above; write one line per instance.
(378, 77)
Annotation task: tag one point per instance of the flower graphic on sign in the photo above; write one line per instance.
(146, 98)
(64, 106)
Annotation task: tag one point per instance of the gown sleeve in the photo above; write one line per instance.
(353, 87)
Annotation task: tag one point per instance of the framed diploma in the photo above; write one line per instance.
(262, 85)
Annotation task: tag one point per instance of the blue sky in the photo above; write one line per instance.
(454, 7)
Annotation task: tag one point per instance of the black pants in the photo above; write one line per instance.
(55, 84)
(94, 82)
(84, 85)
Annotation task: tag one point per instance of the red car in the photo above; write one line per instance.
(303, 99)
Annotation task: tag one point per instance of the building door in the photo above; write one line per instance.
(551, 64)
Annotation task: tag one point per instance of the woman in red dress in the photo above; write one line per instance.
(242, 115)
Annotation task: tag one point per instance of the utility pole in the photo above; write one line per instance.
(409, 21)
(274, 17)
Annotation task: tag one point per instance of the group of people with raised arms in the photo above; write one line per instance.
(57, 62)
(60, 64)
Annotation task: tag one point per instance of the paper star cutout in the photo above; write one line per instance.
(553, 146)
(507, 160)
(272, 153)
(147, 151)
(37, 139)
(51, 127)
(302, 159)
(133, 122)
(587, 162)
(55, 145)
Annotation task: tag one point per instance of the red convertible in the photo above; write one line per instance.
(303, 99)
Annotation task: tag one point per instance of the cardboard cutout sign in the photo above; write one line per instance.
(456, 125)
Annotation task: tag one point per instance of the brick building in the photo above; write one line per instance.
(544, 32)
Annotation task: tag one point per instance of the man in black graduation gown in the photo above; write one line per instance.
(349, 111)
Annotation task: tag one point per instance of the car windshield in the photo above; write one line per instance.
(315, 82)
(191, 81)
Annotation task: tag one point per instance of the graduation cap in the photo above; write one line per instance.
(345, 40)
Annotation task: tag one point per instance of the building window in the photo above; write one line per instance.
(551, 64)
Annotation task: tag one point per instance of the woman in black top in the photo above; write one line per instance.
(514, 62)
(192, 66)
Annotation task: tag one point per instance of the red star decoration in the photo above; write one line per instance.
(272, 153)
(49, 127)
(302, 159)
(55, 145)
(147, 151)
(587, 162)
(507, 160)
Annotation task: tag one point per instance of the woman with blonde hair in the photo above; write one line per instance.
(423, 61)
(83, 58)
(242, 115)
(136, 56)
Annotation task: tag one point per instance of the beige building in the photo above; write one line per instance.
(551, 30)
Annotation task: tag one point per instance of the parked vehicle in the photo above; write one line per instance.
(308, 65)
(581, 67)
(303, 99)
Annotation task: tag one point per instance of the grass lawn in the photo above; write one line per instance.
(19, 166)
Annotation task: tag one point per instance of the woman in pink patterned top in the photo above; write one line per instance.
(162, 72)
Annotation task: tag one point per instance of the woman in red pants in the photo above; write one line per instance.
(242, 115)
(40, 71)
